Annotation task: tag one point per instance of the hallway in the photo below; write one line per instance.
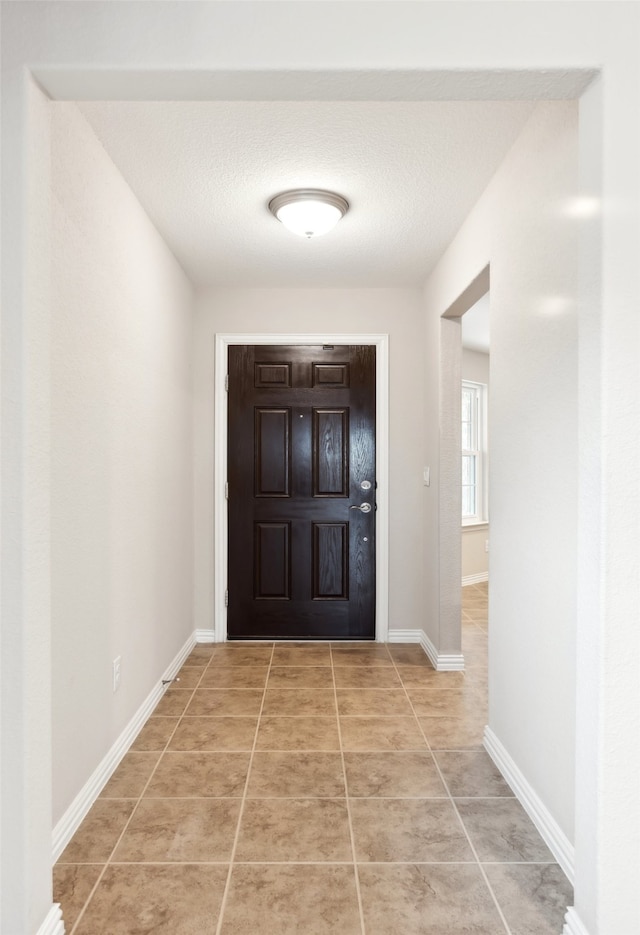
(288, 789)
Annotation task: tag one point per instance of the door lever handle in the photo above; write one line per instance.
(364, 507)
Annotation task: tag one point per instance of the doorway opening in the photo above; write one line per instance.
(475, 371)
(451, 375)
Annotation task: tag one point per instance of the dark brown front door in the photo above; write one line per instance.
(301, 465)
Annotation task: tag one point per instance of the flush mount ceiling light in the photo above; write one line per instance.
(309, 212)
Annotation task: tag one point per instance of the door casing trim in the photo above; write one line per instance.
(221, 553)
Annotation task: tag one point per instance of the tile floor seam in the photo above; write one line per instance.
(324, 863)
(107, 863)
(346, 791)
(288, 863)
(169, 863)
(398, 798)
(193, 798)
(480, 798)
(234, 847)
(462, 825)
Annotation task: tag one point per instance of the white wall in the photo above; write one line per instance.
(475, 366)
(475, 559)
(121, 481)
(520, 226)
(396, 311)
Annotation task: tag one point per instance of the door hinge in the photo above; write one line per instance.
(226, 382)
(226, 598)
(226, 490)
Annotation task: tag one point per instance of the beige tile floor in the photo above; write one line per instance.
(312, 789)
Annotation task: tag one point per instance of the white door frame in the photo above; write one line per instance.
(221, 558)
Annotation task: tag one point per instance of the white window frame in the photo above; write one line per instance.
(478, 453)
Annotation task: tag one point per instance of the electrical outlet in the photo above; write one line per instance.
(116, 673)
(486, 545)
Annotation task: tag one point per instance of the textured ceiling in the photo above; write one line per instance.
(204, 172)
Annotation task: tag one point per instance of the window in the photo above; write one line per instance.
(474, 498)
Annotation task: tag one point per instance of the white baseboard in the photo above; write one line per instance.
(550, 831)
(475, 579)
(573, 924)
(442, 662)
(53, 924)
(404, 636)
(205, 636)
(70, 821)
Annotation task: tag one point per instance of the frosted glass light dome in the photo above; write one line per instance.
(309, 212)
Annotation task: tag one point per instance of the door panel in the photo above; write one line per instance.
(331, 453)
(272, 562)
(301, 442)
(331, 561)
(330, 375)
(268, 376)
(272, 452)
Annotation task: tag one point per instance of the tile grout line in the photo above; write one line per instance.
(227, 886)
(459, 817)
(473, 851)
(140, 797)
(332, 863)
(258, 798)
(347, 798)
(324, 863)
